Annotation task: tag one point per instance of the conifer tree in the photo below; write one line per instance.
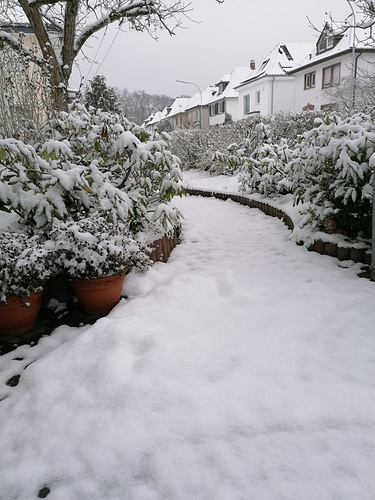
(100, 96)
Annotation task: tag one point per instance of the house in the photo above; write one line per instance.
(172, 117)
(191, 112)
(270, 87)
(224, 102)
(197, 109)
(330, 64)
(176, 114)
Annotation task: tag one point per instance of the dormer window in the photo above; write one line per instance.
(222, 86)
(329, 42)
(325, 43)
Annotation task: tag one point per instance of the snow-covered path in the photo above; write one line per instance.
(241, 369)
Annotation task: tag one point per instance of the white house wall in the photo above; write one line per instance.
(231, 105)
(317, 96)
(276, 94)
(283, 95)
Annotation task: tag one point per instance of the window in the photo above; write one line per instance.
(222, 86)
(325, 43)
(217, 108)
(310, 80)
(257, 97)
(331, 76)
(322, 45)
(246, 104)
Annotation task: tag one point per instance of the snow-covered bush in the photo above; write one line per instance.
(290, 125)
(260, 162)
(93, 248)
(89, 163)
(332, 170)
(24, 264)
(197, 148)
(328, 164)
(262, 152)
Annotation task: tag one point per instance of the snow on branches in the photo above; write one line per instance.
(330, 165)
(90, 163)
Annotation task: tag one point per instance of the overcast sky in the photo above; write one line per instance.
(228, 35)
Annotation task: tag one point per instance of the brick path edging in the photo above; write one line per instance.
(324, 248)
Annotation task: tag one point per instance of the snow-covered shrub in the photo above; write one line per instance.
(24, 264)
(89, 163)
(197, 148)
(290, 125)
(93, 248)
(264, 172)
(262, 153)
(332, 169)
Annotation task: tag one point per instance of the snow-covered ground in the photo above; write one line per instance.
(243, 368)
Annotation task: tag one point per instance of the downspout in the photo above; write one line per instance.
(273, 79)
(355, 73)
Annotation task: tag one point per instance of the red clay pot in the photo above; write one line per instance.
(16, 318)
(99, 295)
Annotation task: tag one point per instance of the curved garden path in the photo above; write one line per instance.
(243, 368)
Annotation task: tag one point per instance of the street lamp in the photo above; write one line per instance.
(353, 56)
(200, 92)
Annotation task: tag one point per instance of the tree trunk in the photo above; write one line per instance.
(58, 79)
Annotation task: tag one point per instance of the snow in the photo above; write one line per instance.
(307, 235)
(242, 368)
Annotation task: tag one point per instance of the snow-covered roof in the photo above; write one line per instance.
(207, 95)
(178, 106)
(157, 117)
(232, 79)
(280, 60)
(343, 46)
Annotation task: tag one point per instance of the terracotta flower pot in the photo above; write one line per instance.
(16, 318)
(99, 295)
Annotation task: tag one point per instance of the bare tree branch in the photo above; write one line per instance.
(75, 21)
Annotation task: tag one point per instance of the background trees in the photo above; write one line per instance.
(139, 105)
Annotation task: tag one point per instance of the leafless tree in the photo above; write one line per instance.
(25, 97)
(364, 93)
(139, 105)
(75, 21)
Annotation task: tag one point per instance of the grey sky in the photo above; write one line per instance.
(228, 35)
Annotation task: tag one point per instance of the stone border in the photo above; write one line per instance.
(324, 248)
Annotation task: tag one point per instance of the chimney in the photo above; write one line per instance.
(252, 64)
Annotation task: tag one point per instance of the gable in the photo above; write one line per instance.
(327, 40)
